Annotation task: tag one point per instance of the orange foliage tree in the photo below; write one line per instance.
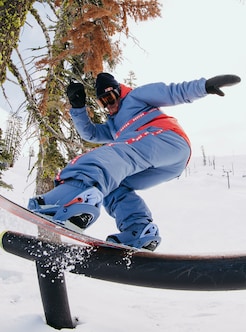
(95, 23)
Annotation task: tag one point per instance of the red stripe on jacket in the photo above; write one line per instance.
(167, 123)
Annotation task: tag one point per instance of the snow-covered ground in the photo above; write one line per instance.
(196, 213)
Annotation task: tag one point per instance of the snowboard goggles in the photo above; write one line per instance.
(109, 98)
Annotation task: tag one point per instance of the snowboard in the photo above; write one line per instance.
(45, 223)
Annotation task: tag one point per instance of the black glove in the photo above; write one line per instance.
(214, 84)
(76, 94)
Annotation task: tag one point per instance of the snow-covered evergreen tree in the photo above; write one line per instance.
(12, 140)
(4, 161)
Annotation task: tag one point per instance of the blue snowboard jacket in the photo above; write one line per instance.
(134, 103)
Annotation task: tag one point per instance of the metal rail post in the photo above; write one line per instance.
(53, 288)
(53, 291)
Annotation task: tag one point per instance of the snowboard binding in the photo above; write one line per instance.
(77, 214)
(138, 236)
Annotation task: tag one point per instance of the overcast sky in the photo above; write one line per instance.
(193, 39)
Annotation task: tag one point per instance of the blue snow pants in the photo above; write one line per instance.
(118, 169)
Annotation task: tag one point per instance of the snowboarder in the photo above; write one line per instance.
(142, 148)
